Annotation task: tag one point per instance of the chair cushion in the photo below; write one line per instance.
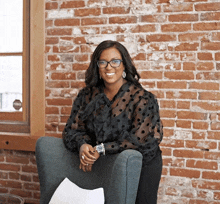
(69, 193)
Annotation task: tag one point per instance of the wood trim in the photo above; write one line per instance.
(26, 142)
(11, 54)
(37, 69)
(23, 142)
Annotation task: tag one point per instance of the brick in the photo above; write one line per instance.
(198, 135)
(93, 21)
(207, 106)
(52, 110)
(167, 104)
(191, 36)
(9, 167)
(171, 191)
(187, 47)
(217, 196)
(188, 173)
(168, 123)
(59, 101)
(201, 144)
(175, 27)
(87, 12)
(205, 66)
(209, 96)
(206, 26)
(168, 133)
(21, 193)
(183, 124)
(212, 155)
(29, 169)
(211, 175)
(191, 115)
(215, 126)
(173, 143)
(72, 4)
(57, 84)
(181, 95)
(67, 22)
(31, 186)
(178, 7)
(189, 66)
(139, 56)
(200, 125)
(151, 75)
(52, 40)
(167, 113)
(202, 165)
(166, 151)
(183, 17)
(117, 29)
(206, 184)
(205, 56)
(59, 31)
(123, 20)
(217, 56)
(179, 75)
(143, 28)
(14, 175)
(216, 36)
(210, 16)
(213, 135)
(207, 7)
(161, 38)
(153, 18)
(53, 58)
(51, 5)
(208, 75)
(116, 10)
(77, 84)
(63, 76)
(17, 159)
(204, 85)
(183, 104)
(210, 45)
(26, 178)
(187, 153)
(171, 85)
(10, 184)
(48, 23)
(81, 58)
(188, 56)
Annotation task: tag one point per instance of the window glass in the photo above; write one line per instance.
(11, 83)
(11, 25)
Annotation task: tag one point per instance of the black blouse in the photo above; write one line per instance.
(129, 121)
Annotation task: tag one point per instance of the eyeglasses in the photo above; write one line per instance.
(102, 64)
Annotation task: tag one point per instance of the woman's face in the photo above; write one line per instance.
(111, 75)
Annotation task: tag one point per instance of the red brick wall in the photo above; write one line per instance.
(175, 45)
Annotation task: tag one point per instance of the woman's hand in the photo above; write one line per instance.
(87, 156)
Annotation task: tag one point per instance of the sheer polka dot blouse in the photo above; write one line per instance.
(130, 121)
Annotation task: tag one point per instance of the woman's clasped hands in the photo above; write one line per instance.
(87, 155)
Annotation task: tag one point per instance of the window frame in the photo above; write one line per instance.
(20, 121)
(26, 141)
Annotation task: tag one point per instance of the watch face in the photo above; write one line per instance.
(99, 148)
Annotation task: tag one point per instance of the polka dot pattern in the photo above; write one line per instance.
(130, 121)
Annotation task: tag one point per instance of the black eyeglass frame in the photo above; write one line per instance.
(109, 62)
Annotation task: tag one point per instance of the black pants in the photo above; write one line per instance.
(149, 181)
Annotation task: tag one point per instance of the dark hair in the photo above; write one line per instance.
(92, 73)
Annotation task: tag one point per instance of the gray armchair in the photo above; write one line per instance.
(118, 174)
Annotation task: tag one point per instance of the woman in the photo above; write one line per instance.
(113, 113)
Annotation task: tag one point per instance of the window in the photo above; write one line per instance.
(14, 66)
(21, 73)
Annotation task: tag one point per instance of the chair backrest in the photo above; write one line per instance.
(118, 174)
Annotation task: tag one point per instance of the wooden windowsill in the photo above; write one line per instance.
(18, 141)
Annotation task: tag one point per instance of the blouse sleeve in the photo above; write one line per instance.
(146, 131)
(74, 134)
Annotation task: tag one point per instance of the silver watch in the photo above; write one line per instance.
(100, 149)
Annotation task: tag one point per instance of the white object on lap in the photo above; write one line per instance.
(69, 193)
